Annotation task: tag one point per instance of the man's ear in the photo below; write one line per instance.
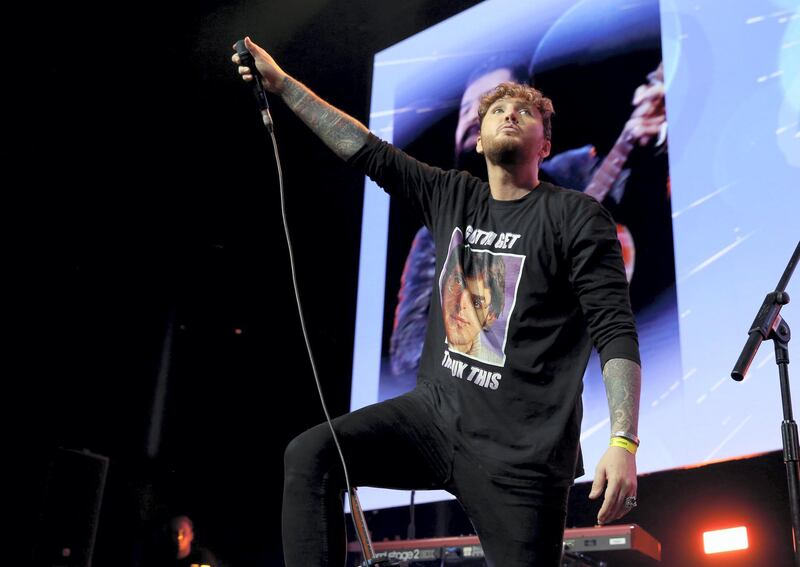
(479, 145)
(545, 149)
(490, 319)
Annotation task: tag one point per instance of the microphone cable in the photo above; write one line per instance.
(246, 59)
(355, 508)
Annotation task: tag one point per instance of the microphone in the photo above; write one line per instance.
(246, 60)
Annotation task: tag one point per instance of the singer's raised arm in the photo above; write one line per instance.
(340, 132)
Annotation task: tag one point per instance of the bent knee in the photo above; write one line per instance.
(310, 451)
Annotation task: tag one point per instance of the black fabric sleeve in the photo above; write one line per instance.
(597, 275)
(401, 175)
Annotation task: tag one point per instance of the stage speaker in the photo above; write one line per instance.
(70, 512)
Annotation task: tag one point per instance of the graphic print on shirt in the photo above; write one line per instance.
(478, 290)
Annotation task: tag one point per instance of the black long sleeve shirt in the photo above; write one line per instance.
(515, 403)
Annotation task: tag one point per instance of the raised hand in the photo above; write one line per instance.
(274, 78)
(649, 117)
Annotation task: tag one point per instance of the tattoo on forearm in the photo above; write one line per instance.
(342, 133)
(623, 380)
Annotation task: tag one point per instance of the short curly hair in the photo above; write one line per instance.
(516, 90)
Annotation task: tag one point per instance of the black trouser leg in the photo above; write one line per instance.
(380, 450)
(520, 523)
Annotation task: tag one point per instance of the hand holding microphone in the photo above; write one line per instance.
(255, 63)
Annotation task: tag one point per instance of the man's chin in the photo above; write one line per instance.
(459, 347)
(504, 150)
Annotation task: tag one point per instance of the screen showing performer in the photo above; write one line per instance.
(616, 72)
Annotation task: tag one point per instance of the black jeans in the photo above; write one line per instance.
(518, 522)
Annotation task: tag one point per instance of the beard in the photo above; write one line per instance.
(503, 150)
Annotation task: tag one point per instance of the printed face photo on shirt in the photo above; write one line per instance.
(474, 297)
(466, 307)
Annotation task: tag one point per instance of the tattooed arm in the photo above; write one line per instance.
(341, 133)
(623, 380)
(617, 467)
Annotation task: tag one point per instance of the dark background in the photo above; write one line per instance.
(154, 192)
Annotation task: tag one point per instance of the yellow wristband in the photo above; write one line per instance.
(626, 444)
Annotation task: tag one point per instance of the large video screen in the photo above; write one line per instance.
(706, 208)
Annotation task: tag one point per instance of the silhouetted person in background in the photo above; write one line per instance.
(181, 551)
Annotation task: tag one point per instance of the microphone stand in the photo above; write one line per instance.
(412, 526)
(770, 326)
(362, 534)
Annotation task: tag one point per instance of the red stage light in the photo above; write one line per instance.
(719, 541)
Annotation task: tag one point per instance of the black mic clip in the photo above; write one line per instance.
(246, 60)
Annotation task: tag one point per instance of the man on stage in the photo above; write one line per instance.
(500, 433)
